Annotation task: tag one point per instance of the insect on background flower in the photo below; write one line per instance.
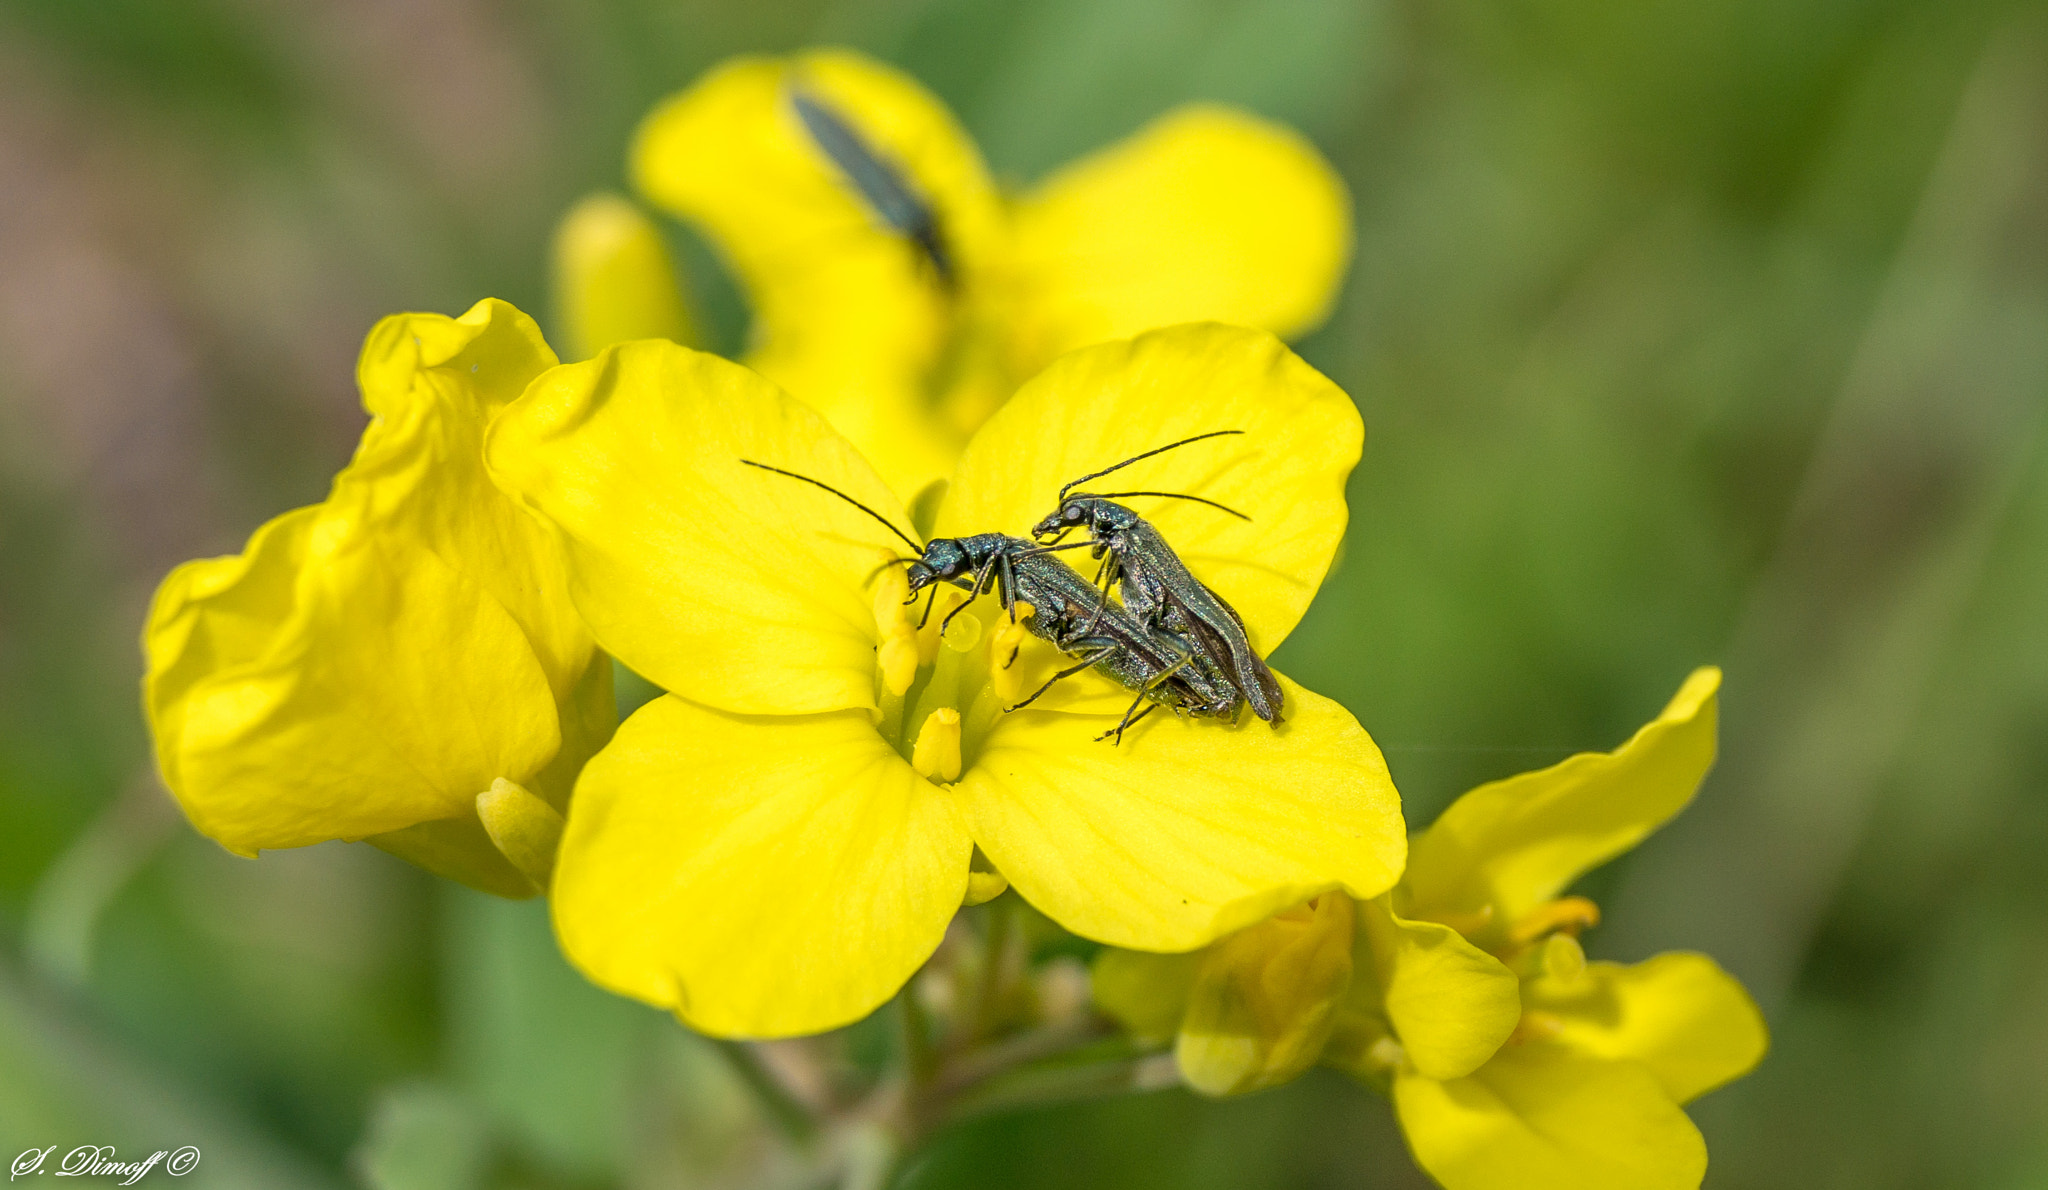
(893, 286)
(400, 662)
(778, 844)
(1512, 1061)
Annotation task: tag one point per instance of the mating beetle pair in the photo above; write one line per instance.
(1172, 641)
(1156, 585)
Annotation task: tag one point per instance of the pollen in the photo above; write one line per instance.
(936, 755)
(1569, 915)
(895, 631)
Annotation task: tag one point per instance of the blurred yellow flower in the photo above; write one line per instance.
(373, 665)
(1511, 1060)
(776, 846)
(899, 293)
(614, 279)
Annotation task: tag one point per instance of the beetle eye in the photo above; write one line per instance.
(1073, 512)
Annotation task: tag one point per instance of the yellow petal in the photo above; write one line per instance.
(372, 663)
(1542, 1117)
(394, 693)
(1146, 993)
(614, 279)
(1451, 1004)
(759, 876)
(1261, 1005)
(432, 384)
(1508, 846)
(733, 586)
(1207, 213)
(1187, 830)
(1106, 403)
(848, 313)
(213, 613)
(1679, 1014)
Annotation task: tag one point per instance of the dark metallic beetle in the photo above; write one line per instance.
(881, 184)
(1157, 586)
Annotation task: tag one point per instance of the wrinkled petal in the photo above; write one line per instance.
(1187, 830)
(395, 693)
(1678, 1014)
(370, 664)
(736, 587)
(1451, 1004)
(758, 876)
(213, 613)
(1508, 846)
(1146, 993)
(848, 313)
(1262, 1001)
(1103, 404)
(614, 279)
(431, 385)
(1207, 213)
(1541, 1117)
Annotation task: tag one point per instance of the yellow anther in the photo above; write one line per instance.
(895, 630)
(897, 658)
(1567, 914)
(936, 755)
(525, 829)
(1564, 960)
(1005, 673)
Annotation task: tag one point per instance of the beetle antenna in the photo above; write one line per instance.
(816, 483)
(1148, 454)
(1172, 496)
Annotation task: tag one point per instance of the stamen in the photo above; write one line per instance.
(936, 755)
(895, 632)
(1564, 960)
(1567, 914)
(1005, 675)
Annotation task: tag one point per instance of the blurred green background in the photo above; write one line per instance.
(1685, 331)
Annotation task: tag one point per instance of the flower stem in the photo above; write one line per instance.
(790, 1114)
(989, 990)
(918, 1059)
(1064, 1080)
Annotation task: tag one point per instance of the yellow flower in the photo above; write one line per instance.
(1208, 213)
(372, 666)
(1512, 1061)
(776, 846)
